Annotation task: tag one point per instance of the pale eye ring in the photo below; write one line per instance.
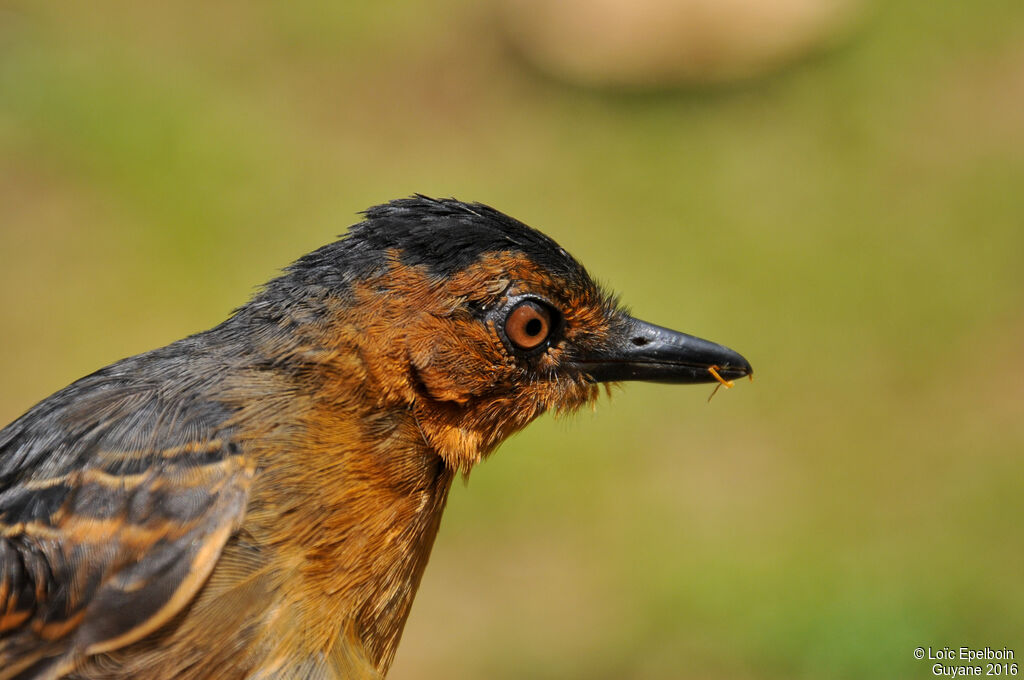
(528, 325)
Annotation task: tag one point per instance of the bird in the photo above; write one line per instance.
(259, 500)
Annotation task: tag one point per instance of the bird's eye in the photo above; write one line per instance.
(528, 325)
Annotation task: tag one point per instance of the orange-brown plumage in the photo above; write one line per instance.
(260, 501)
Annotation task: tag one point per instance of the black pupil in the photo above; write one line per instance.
(534, 326)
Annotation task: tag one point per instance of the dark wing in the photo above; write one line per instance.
(117, 495)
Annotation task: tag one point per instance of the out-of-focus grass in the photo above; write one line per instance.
(854, 226)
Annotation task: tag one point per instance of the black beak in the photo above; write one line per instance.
(638, 350)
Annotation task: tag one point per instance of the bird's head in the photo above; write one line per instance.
(478, 323)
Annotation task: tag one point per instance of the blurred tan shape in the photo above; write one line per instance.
(657, 43)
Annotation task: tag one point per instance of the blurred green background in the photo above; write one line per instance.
(854, 225)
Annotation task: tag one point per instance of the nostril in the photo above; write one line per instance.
(639, 341)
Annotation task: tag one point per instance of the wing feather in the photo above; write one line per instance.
(117, 495)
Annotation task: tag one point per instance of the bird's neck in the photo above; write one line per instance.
(352, 486)
(359, 509)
